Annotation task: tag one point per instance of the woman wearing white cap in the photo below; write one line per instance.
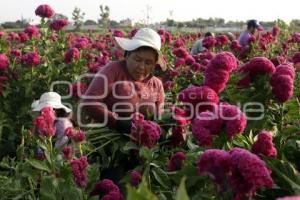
(62, 122)
(127, 86)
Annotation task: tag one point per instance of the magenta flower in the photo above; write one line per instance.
(209, 42)
(104, 187)
(45, 122)
(198, 95)
(135, 178)
(68, 152)
(32, 31)
(180, 52)
(59, 24)
(143, 132)
(235, 120)
(44, 11)
(264, 145)
(249, 173)
(216, 163)
(31, 58)
(79, 171)
(4, 62)
(72, 55)
(289, 198)
(78, 137)
(176, 161)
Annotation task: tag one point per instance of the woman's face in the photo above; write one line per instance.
(141, 63)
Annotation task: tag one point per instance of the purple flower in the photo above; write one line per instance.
(176, 161)
(79, 171)
(59, 24)
(72, 54)
(135, 178)
(264, 145)
(44, 11)
(104, 187)
(4, 62)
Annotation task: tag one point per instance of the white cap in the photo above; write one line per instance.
(143, 37)
(49, 99)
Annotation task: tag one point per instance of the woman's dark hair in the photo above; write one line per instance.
(61, 113)
(142, 48)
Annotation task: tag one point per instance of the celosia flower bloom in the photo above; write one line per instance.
(72, 55)
(264, 145)
(135, 178)
(44, 11)
(79, 171)
(4, 62)
(176, 161)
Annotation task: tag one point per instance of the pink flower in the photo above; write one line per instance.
(78, 137)
(104, 187)
(249, 173)
(215, 163)
(209, 42)
(67, 152)
(235, 120)
(135, 178)
(169, 85)
(69, 132)
(113, 196)
(275, 31)
(118, 33)
(44, 11)
(45, 122)
(15, 52)
(72, 55)
(189, 60)
(81, 43)
(222, 40)
(79, 171)
(1, 34)
(195, 67)
(196, 95)
(32, 31)
(202, 135)
(12, 36)
(180, 53)
(59, 24)
(23, 37)
(264, 145)
(179, 62)
(4, 62)
(282, 82)
(296, 58)
(31, 58)
(178, 43)
(176, 161)
(143, 132)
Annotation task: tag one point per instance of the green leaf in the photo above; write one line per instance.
(161, 177)
(142, 193)
(48, 188)
(146, 153)
(41, 165)
(181, 193)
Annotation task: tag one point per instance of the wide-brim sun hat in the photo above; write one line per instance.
(144, 37)
(49, 99)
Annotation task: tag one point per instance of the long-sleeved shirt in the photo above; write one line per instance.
(114, 94)
(197, 47)
(244, 38)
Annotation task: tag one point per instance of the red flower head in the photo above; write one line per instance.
(72, 54)
(4, 62)
(176, 161)
(44, 11)
(59, 24)
(264, 145)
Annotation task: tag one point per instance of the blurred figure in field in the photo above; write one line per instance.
(198, 47)
(252, 27)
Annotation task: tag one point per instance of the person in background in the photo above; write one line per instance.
(62, 113)
(197, 47)
(252, 27)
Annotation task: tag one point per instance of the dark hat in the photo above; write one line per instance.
(253, 23)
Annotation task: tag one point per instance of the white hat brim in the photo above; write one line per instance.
(39, 107)
(132, 44)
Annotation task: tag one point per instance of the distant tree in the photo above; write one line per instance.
(114, 23)
(78, 17)
(104, 16)
(59, 16)
(89, 22)
(17, 24)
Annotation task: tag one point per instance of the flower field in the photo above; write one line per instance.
(230, 127)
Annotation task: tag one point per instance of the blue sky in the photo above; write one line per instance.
(159, 10)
